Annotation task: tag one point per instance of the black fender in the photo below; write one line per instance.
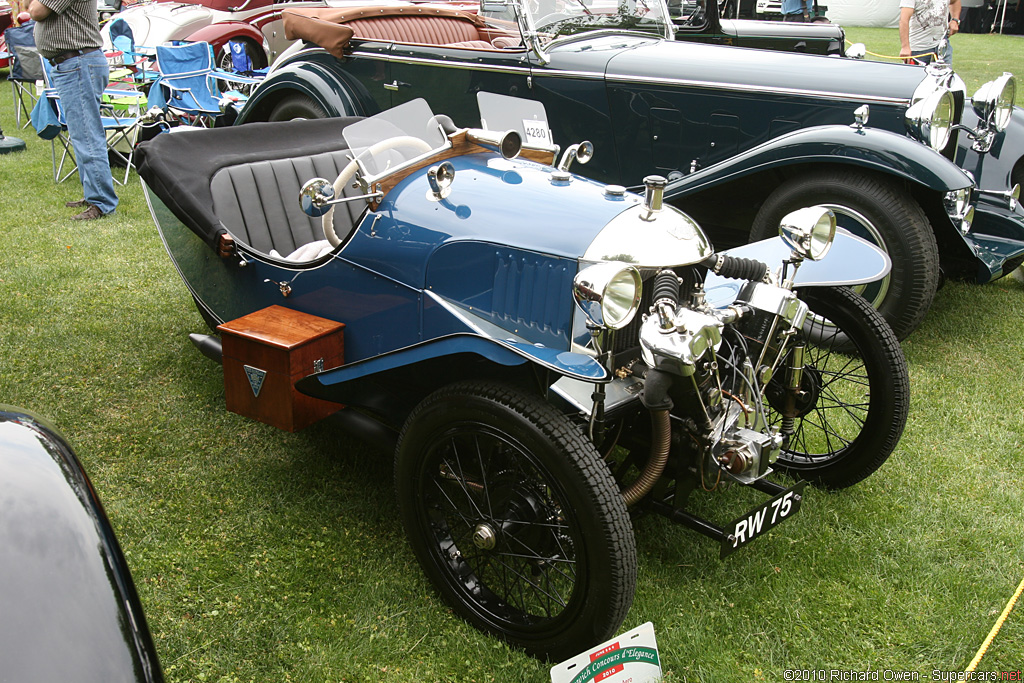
(70, 608)
(871, 149)
(381, 383)
(317, 80)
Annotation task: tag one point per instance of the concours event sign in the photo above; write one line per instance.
(629, 658)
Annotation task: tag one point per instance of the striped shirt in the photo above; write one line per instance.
(72, 25)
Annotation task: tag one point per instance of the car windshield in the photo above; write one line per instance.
(394, 137)
(551, 19)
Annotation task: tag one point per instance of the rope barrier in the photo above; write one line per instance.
(898, 59)
(995, 629)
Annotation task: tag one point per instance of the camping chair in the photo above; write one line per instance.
(241, 60)
(187, 85)
(136, 57)
(25, 70)
(242, 64)
(119, 113)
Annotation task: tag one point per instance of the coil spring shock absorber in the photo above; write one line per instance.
(794, 381)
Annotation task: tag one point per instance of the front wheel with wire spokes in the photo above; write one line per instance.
(514, 518)
(854, 395)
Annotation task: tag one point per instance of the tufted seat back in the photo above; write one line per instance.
(429, 30)
(258, 202)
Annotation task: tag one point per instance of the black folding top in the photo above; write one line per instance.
(179, 166)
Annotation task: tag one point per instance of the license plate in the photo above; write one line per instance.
(762, 518)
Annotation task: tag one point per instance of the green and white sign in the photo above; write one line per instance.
(629, 658)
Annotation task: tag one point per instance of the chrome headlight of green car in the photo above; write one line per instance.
(994, 101)
(931, 118)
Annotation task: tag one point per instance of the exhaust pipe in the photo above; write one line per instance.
(208, 345)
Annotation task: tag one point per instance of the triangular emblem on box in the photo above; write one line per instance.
(255, 376)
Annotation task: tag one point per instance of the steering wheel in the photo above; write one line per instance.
(349, 172)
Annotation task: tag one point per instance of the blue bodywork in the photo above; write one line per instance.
(432, 288)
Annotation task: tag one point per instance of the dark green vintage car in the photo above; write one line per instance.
(743, 136)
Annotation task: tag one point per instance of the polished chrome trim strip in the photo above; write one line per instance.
(445, 63)
(710, 85)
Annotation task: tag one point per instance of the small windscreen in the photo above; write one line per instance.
(394, 137)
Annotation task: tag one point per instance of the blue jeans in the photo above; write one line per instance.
(80, 82)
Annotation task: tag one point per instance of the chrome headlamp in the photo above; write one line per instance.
(930, 119)
(608, 293)
(809, 232)
(994, 101)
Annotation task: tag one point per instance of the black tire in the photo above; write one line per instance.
(842, 435)
(297, 107)
(514, 518)
(882, 213)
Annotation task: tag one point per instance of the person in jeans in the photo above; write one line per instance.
(796, 10)
(923, 25)
(67, 34)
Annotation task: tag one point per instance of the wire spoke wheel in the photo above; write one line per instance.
(514, 518)
(495, 517)
(854, 394)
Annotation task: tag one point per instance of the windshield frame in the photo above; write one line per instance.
(413, 121)
(541, 42)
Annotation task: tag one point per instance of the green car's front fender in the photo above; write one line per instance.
(870, 149)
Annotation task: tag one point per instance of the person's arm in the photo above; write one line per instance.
(905, 14)
(39, 12)
(954, 13)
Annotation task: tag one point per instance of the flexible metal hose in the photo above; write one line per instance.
(661, 436)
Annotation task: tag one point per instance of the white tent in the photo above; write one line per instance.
(863, 12)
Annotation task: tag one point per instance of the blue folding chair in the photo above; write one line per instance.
(120, 126)
(138, 58)
(25, 70)
(241, 60)
(188, 83)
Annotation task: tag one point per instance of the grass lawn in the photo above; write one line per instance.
(269, 557)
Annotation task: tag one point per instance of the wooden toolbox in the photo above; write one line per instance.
(266, 352)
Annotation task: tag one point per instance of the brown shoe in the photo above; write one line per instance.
(77, 204)
(91, 213)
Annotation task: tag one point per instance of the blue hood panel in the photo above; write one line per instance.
(482, 209)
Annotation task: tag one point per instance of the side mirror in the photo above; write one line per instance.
(493, 5)
(314, 197)
(809, 232)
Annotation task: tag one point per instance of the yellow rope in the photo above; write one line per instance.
(995, 629)
(875, 54)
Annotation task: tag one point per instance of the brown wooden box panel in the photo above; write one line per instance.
(284, 344)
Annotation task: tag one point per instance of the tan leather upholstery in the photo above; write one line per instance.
(331, 28)
(424, 30)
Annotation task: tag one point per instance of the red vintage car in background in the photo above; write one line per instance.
(257, 22)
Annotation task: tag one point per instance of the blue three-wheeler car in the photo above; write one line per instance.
(545, 354)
